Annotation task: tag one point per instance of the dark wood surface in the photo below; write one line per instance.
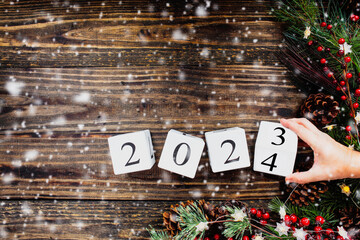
(141, 65)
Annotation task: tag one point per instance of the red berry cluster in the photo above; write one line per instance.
(354, 18)
(317, 232)
(324, 24)
(261, 215)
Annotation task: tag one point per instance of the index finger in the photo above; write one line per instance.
(305, 134)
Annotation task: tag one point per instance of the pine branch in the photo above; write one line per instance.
(158, 235)
(190, 218)
(235, 228)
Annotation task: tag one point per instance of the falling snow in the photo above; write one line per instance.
(83, 97)
(31, 155)
(14, 88)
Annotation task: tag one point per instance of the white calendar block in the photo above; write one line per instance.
(181, 153)
(227, 149)
(275, 149)
(131, 152)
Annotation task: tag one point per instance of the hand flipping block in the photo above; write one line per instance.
(227, 149)
(131, 152)
(181, 153)
(275, 149)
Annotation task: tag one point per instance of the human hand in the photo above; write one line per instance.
(331, 159)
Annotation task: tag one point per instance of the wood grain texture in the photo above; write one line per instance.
(88, 70)
(70, 138)
(83, 219)
(54, 34)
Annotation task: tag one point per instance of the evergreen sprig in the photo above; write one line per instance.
(311, 211)
(300, 55)
(158, 235)
(236, 228)
(190, 218)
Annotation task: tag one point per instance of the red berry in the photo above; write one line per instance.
(258, 213)
(340, 53)
(339, 238)
(338, 88)
(325, 69)
(245, 238)
(266, 216)
(330, 75)
(206, 238)
(329, 231)
(323, 24)
(253, 211)
(342, 83)
(348, 137)
(348, 75)
(320, 48)
(317, 229)
(347, 59)
(293, 218)
(334, 81)
(310, 42)
(348, 128)
(263, 222)
(323, 61)
(230, 238)
(357, 92)
(216, 236)
(354, 18)
(341, 41)
(305, 221)
(343, 97)
(287, 218)
(356, 105)
(329, 26)
(318, 237)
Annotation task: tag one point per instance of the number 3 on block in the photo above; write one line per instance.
(131, 152)
(275, 149)
(181, 153)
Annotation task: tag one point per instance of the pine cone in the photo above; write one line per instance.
(350, 217)
(171, 218)
(320, 109)
(221, 211)
(305, 194)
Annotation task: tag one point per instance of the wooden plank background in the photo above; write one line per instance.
(138, 65)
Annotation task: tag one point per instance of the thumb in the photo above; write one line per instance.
(302, 177)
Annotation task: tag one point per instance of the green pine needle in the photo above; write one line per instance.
(158, 235)
(236, 229)
(190, 217)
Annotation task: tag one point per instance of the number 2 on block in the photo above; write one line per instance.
(228, 160)
(272, 164)
(129, 163)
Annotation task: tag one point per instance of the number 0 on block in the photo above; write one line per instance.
(181, 153)
(275, 149)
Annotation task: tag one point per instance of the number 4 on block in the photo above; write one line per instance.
(131, 152)
(275, 149)
(181, 153)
